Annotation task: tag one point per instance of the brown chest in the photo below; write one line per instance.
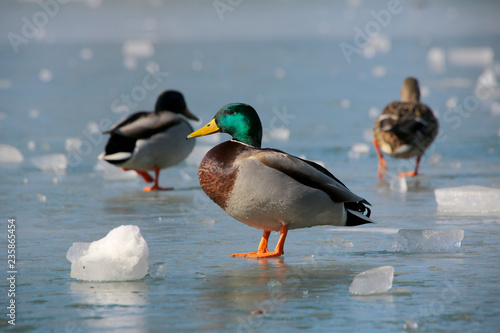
(217, 173)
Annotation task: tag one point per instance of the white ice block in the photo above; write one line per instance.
(374, 281)
(120, 256)
(280, 134)
(398, 184)
(468, 199)
(140, 48)
(50, 162)
(415, 240)
(471, 56)
(10, 154)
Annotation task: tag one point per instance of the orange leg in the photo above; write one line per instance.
(262, 251)
(144, 174)
(382, 164)
(414, 172)
(155, 186)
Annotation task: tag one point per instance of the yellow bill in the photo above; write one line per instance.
(209, 128)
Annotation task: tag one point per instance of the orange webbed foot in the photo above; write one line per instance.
(262, 251)
(257, 255)
(157, 188)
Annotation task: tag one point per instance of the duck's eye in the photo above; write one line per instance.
(230, 112)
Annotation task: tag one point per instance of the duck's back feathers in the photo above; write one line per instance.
(308, 173)
(405, 129)
(143, 125)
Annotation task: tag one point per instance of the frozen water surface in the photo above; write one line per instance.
(286, 60)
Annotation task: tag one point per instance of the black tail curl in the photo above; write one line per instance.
(357, 213)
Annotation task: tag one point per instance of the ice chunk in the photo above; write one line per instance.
(398, 184)
(358, 149)
(50, 162)
(86, 54)
(141, 48)
(120, 256)
(158, 270)
(471, 56)
(110, 172)
(42, 198)
(436, 59)
(415, 240)
(495, 109)
(487, 85)
(374, 281)
(34, 113)
(76, 250)
(378, 43)
(345, 103)
(10, 154)
(281, 134)
(73, 144)
(468, 199)
(373, 113)
(410, 325)
(45, 75)
(379, 71)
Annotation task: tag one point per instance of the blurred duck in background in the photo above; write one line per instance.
(151, 141)
(404, 129)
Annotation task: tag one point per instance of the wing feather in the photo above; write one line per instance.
(309, 174)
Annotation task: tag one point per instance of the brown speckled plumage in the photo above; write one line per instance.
(405, 123)
(217, 173)
(405, 129)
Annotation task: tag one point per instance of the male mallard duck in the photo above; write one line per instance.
(269, 189)
(152, 140)
(404, 129)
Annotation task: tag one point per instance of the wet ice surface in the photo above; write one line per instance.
(325, 104)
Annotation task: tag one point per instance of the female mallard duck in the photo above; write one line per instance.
(269, 189)
(147, 141)
(404, 129)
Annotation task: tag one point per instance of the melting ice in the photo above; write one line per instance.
(120, 256)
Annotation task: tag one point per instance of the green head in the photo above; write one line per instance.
(238, 120)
